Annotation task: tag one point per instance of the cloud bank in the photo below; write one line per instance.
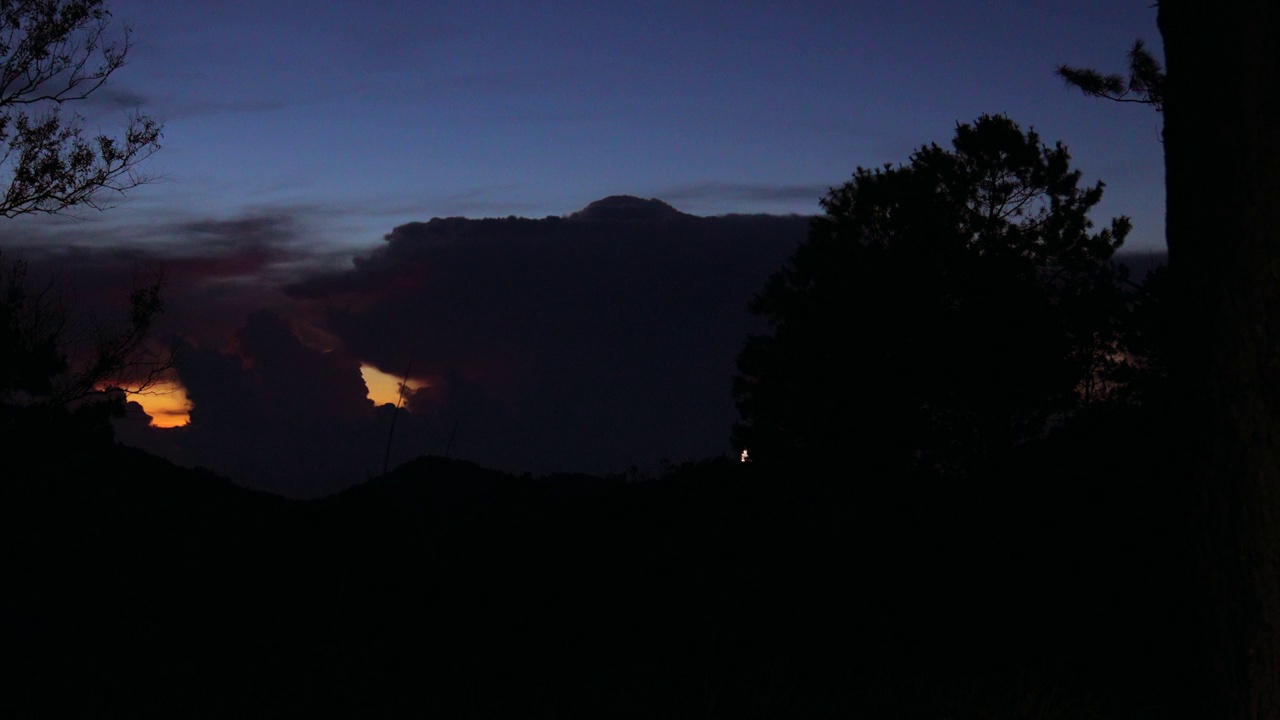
(590, 342)
(583, 343)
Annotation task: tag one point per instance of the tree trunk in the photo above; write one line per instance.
(1222, 165)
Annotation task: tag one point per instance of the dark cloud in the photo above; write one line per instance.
(114, 98)
(278, 415)
(269, 410)
(215, 271)
(275, 228)
(583, 343)
(294, 379)
(265, 230)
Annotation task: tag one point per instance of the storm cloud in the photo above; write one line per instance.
(589, 342)
(584, 343)
(275, 414)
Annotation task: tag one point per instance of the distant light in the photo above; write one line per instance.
(745, 457)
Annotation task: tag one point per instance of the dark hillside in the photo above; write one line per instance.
(715, 591)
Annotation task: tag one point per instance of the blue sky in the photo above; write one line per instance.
(346, 119)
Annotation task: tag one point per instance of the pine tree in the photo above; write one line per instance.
(940, 313)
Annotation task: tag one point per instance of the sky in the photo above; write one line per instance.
(353, 118)
(301, 137)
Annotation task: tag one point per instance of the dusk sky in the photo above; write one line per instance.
(352, 118)
(299, 135)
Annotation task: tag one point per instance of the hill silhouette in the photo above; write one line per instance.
(447, 587)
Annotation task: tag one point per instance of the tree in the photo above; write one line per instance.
(1222, 179)
(939, 314)
(45, 386)
(1145, 84)
(54, 52)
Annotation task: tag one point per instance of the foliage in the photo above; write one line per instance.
(53, 370)
(1145, 84)
(940, 313)
(53, 52)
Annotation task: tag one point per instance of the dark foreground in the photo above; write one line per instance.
(131, 587)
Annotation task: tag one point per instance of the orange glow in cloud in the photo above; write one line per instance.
(384, 388)
(166, 403)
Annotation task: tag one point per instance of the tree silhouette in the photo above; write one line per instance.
(939, 314)
(1145, 84)
(49, 386)
(1222, 178)
(1219, 292)
(54, 52)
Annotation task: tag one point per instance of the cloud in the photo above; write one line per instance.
(215, 271)
(293, 379)
(562, 344)
(278, 415)
(115, 99)
(235, 247)
(580, 344)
